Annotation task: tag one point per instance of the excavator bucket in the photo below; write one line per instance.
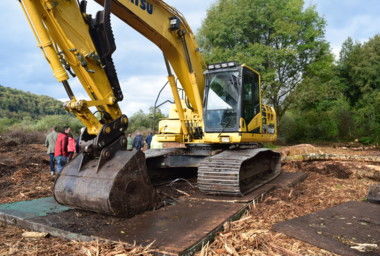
(119, 187)
(238, 172)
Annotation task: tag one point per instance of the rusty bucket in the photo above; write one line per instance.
(120, 187)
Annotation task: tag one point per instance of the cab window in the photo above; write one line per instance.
(222, 101)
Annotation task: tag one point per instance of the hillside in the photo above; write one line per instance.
(17, 104)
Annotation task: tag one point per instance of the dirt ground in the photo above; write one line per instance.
(24, 172)
(24, 175)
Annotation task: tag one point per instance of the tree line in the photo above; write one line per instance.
(24, 111)
(17, 104)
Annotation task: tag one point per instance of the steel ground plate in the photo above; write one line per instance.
(338, 229)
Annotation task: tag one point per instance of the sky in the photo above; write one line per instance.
(139, 63)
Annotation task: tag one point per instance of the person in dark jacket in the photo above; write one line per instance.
(61, 151)
(148, 139)
(138, 142)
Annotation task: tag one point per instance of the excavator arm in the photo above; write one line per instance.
(165, 26)
(75, 43)
(63, 34)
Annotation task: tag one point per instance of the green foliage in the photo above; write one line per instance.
(26, 112)
(43, 124)
(280, 38)
(16, 104)
(59, 121)
(359, 68)
(308, 126)
(145, 121)
(5, 123)
(367, 117)
(339, 102)
(325, 100)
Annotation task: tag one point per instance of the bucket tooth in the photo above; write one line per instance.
(120, 187)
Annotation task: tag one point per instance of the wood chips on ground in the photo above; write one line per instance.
(24, 175)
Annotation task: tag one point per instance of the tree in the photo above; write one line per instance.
(279, 38)
(338, 102)
(348, 58)
(359, 70)
(145, 121)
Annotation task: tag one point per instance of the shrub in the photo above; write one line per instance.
(5, 123)
(59, 121)
(309, 126)
(29, 131)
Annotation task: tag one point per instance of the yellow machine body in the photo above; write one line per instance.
(222, 106)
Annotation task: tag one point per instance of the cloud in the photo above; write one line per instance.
(360, 27)
(140, 93)
(349, 18)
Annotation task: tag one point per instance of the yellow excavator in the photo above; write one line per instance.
(220, 117)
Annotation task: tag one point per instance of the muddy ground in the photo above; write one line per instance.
(24, 175)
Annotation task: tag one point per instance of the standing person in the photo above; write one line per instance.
(71, 146)
(61, 154)
(148, 140)
(50, 141)
(138, 142)
(129, 142)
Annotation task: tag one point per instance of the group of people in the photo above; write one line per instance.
(138, 141)
(61, 147)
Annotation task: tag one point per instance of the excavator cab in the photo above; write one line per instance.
(232, 93)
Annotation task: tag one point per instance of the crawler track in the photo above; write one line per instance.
(237, 172)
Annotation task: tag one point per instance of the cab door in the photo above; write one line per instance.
(250, 102)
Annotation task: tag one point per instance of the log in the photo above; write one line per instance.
(35, 234)
(334, 157)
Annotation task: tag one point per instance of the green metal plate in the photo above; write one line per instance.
(34, 208)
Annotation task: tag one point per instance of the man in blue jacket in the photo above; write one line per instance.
(138, 142)
(148, 139)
